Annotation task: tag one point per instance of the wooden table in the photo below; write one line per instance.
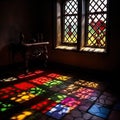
(39, 49)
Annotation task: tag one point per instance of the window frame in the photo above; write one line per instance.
(80, 45)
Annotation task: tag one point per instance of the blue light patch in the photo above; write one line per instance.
(58, 111)
(99, 111)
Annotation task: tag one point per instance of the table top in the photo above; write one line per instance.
(35, 44)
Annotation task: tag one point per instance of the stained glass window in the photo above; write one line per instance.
(97, 15)
(70, 21)
(82, 25)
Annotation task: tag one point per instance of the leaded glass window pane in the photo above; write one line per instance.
(70, 22)
(97, 23)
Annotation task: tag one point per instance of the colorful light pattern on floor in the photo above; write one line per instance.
(37, 91)
(71, 102)
(58, 111)
(44, 105)
(7, 92)
(53, 83)
(53, 75)
(86, 93)
(99, 111)
(23, 97)
(56, 96)
(5, 106)
(22, 115)
(40, 80)
(30, 74)
(63, 78)
(9, 79)
(69, 89)
(24, 85)
(87, 83)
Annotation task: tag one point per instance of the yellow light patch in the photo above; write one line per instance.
(22, 115)
(24, 96)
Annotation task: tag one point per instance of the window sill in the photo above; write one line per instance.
(85, 49)
(96, 50)
(63, 47)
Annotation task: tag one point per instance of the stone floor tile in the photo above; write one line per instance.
(84, 105)
(106, 99)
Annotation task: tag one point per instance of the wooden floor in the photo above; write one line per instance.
(57, 94)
